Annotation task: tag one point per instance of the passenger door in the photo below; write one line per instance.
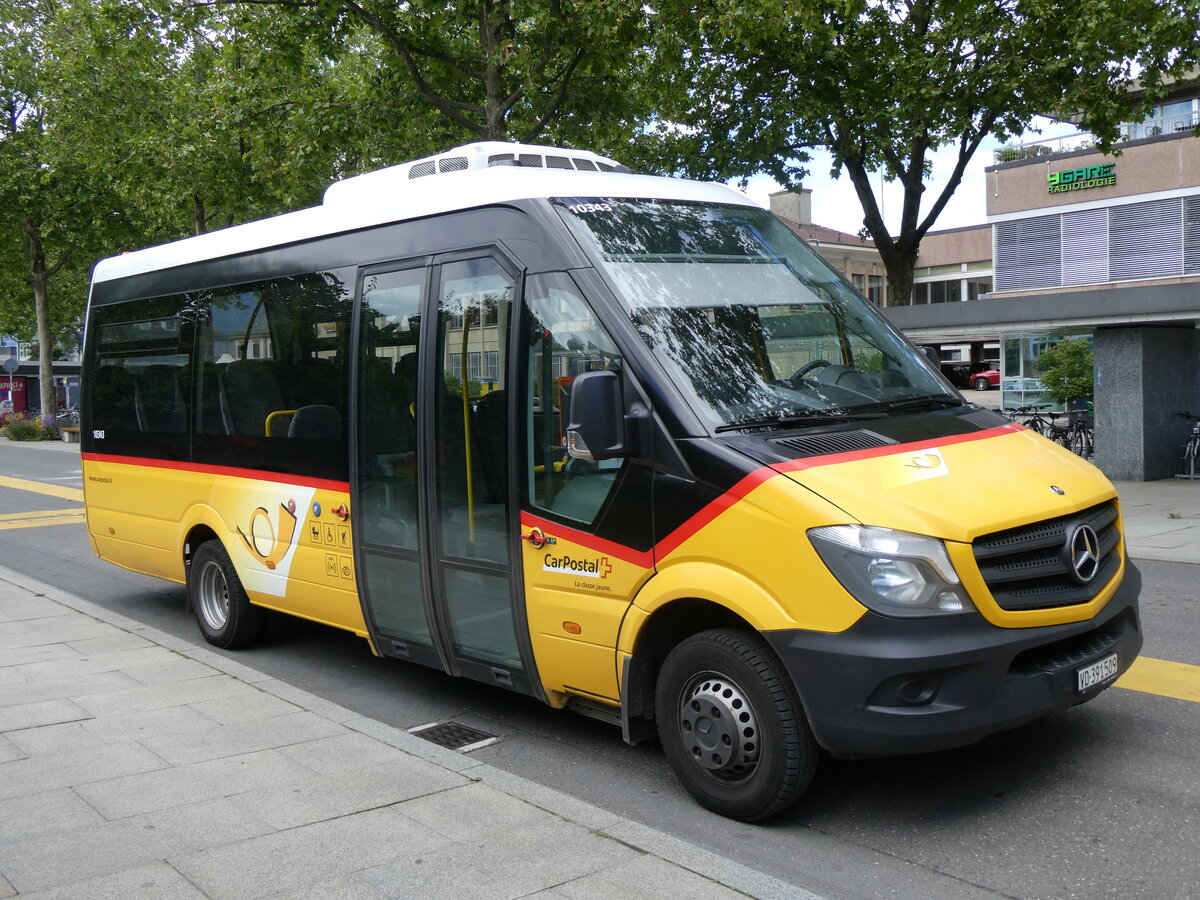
(436, 517)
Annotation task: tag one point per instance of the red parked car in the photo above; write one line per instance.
(986, 380)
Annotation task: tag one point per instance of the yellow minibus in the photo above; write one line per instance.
(620, 443)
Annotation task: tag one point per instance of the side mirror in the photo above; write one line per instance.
(596, 428)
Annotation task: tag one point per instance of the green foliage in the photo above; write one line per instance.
(29, 428)
(1067, 370)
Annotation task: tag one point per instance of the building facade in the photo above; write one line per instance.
(1103, 245)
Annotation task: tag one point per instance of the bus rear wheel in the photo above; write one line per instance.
(732, 726)
(225, 615)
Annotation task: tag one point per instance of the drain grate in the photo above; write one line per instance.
(454, 736)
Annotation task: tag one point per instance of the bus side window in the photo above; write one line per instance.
(140, 371)
(565, 340)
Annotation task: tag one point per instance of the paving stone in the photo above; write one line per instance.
(21, 655)
(35, 632)
(312, 854)
(69, 737)
(323, 797)
(259, 705)
(142, 723)
(35, 715)
(122, 640)
(86, 853)
(6, 889)
(118, 798)
(91, 663)
(512, 862)
(152, 881)
(158, 696)
(35, 815)
(471, 811)
(79, 767)
(219, 741)
(645, 878)
(22, 605)
(169, 670)
(67, 686)
(11, 675)
(344, 752)
(9, 751)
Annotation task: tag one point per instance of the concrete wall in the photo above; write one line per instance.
(1155, 164)
(957, 245)
(1144, 376)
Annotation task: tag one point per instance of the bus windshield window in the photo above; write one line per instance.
(739, 308)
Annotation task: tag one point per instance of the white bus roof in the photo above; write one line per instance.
(463, 178)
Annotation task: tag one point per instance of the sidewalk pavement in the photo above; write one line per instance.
(137, 765)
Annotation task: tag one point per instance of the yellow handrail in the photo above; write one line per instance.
(278, 414)
(466, 408)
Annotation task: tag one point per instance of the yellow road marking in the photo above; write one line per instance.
(39, 518)
(37, 487)
(1163, 677)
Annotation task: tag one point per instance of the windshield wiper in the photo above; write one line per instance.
(824, 417)
(930, 401)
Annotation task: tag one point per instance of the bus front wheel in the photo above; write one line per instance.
(732, 726)
(225, 615)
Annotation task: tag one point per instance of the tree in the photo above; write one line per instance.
(49, 214)
(208, 116)
(1067, 370)
(881, 84)
(525, 70)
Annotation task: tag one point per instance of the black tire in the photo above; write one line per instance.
(225, 615)
(1081, 444)
(982, 384)
(732, 726)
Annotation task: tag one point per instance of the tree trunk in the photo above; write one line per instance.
(41, 304)
(900, 266)
(495, 128)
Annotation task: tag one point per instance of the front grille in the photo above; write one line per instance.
(1030, 567)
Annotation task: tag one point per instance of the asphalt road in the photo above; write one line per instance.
(1102, 801)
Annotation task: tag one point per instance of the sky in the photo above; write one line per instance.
(835, 204)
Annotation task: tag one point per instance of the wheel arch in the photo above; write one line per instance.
(657, 634)
(200, 525)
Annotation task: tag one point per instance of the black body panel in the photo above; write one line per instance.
(889, 686)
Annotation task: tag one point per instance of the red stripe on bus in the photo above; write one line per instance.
(747, 484)
(231, 471)
(643, 558)
(833, 459)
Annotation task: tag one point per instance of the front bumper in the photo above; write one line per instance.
(889, 686)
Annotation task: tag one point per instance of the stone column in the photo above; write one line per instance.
(1144, 376)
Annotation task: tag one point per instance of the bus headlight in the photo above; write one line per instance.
(892, 572)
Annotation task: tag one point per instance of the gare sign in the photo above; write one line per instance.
(1081, 179)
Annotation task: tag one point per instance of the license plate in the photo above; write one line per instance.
(1097, 673)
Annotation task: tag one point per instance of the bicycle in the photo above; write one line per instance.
(1083, 435)
(1032, 418)
(1192, 448)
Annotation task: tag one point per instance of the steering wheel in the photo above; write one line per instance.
(799, 374)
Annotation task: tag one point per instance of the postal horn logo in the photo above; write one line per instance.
(268, 544)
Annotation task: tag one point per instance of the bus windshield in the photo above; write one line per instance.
(739, 308)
